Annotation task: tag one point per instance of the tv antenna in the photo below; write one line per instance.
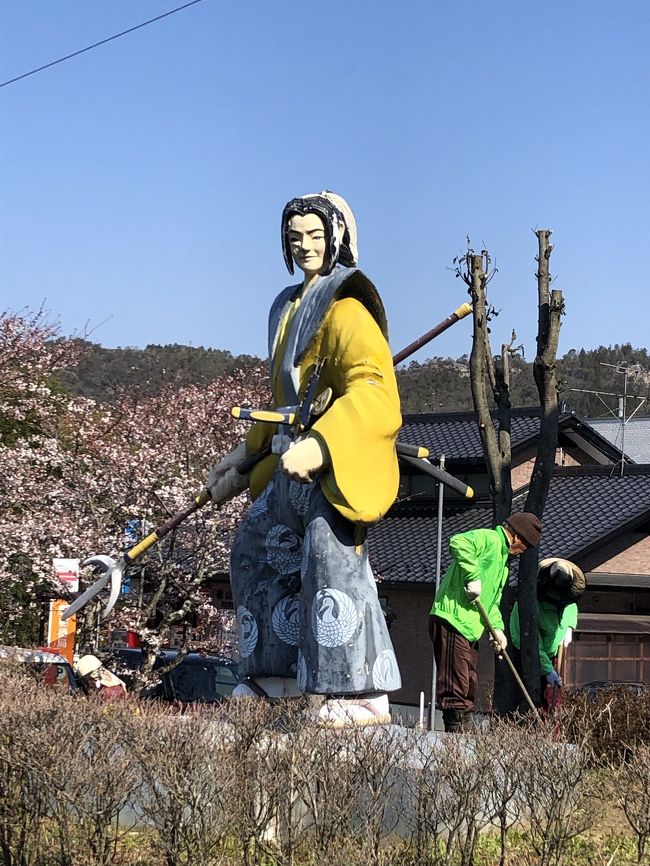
(625, 369)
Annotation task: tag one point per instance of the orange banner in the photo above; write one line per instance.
(61, 635)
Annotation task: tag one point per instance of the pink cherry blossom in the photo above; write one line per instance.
(74, 471)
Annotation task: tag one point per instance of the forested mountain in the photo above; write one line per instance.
(436, 385)
(103, 373)
(442, 384)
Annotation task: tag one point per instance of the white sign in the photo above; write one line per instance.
(67, 571)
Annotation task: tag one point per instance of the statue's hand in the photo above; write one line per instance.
(224, 480)
(303, 460)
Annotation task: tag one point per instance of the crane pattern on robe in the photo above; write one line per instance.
(305, 596)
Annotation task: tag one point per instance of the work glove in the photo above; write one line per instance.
(303, 459)
(224, 480)
(499, 641)
(553, 678)
(473, 589)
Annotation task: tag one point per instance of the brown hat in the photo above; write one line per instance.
(528, 526)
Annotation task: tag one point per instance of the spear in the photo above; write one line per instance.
(456, 316)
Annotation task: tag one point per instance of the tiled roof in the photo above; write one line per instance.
(456, 434)
(585, 505)
(637, 436)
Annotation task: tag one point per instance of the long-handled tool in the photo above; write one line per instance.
(507, 658)
(456, 316)
(113, 570)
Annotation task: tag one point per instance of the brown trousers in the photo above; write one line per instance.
(456, 660)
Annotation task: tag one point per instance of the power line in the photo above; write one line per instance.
(102, 42)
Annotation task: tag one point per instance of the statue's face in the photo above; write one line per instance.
(307, 242)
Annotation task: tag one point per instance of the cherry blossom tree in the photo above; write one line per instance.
(73, 472)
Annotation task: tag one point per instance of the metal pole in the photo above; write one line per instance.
(624, 422)
(434, 667)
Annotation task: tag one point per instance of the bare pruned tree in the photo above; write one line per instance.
(550, 311)
(490, 384)
(489, 381)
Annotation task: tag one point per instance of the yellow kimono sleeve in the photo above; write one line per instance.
(360, 428)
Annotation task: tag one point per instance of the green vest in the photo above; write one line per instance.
(553, 626)
(480, 554)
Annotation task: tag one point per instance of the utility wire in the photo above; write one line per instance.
(102, 42)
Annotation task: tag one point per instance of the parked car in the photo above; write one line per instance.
(596, 687)
(197, 679)
(49, 668)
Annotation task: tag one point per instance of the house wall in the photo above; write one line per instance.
(411, 641)
(613, 601)
(628, 553)
(616, 657)
(523, 463)
(522, 468)
(569, 454)
(608, 657)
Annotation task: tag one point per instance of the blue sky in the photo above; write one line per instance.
(142, 183)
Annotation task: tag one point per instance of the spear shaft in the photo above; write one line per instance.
(456, 316)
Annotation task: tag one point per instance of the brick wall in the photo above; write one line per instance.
(522, 468)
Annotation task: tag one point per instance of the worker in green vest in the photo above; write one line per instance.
(479, 569)
(560, 586)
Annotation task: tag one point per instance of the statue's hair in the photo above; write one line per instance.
(338, 223)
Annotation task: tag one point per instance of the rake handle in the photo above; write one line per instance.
(509, 661)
